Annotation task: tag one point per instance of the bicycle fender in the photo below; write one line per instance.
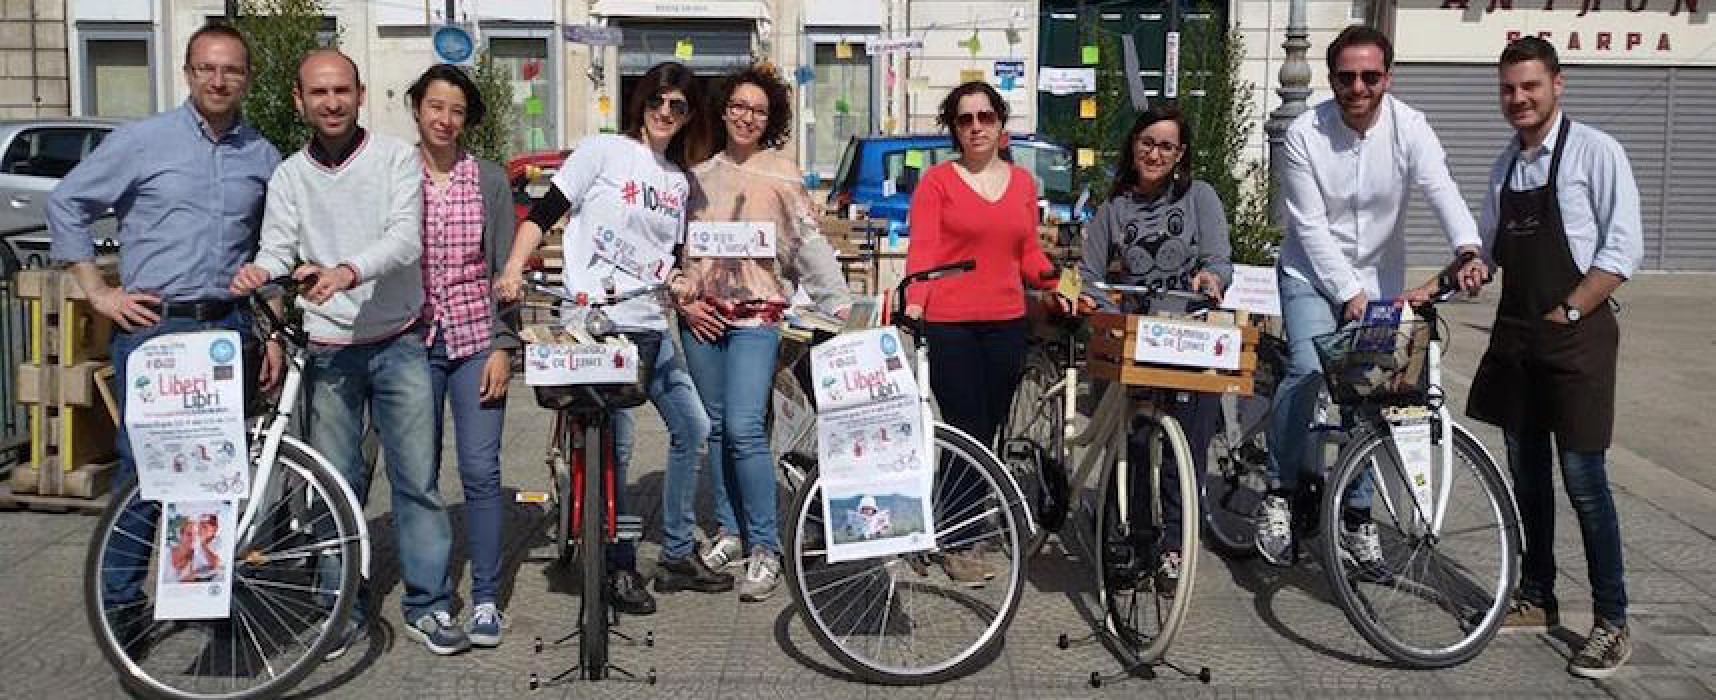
(345, 490)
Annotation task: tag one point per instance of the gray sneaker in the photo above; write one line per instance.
(762, 576)
(1274, 522)
(1362, 547)
(724, 551)
(1605, 651)
(439, 633)
(485, 626)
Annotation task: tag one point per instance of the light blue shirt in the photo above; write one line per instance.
(1598, 196)
(189, 206)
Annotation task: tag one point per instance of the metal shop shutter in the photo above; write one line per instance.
(717, 46)
(1659, 114)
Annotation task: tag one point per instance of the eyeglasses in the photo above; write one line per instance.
(966, 119)
(739, 110)
(1346, 77)
(1166, 148)
(204, 71)
(675, 105)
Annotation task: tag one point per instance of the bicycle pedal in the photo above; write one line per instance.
(531, 497)
(628, 528)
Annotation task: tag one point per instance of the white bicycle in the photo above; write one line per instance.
(302, 552)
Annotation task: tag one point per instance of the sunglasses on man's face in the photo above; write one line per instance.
(1346, 77)
(677, 106)
(966, 119)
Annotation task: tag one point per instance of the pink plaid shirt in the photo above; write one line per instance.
(455, 272)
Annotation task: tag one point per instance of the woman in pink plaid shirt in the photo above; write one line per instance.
(468, 222)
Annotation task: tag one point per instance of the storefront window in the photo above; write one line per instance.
(840, 101)
(118, 83)
(524, 61)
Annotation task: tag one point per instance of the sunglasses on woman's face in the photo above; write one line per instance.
(677, 106)
(1346, 77)
(966, 119)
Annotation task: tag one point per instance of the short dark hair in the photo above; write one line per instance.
(687, 145)
(298, 75)
(1531, 48)
(780, 104)
(1126, 175)
(455, 76)
(950, 107)
(220, 31)
(1361, 35)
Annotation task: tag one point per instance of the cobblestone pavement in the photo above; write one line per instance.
(1263, 632)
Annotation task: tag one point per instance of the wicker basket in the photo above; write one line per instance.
(1376, 364)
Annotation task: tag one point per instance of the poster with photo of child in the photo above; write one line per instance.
(194, 569)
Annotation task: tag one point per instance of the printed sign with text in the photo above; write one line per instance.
(184, 416)
(194, 574)
(1187, 344)
(730, 239)
(550, 364)
(1254, 290)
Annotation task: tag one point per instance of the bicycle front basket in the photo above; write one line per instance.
(1376, 364)
(595, 397)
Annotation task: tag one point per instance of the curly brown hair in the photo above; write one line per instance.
(777, 129)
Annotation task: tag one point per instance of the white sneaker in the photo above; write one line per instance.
(762, 576)
(1274, 524)
(1362, 546)
(723, 552)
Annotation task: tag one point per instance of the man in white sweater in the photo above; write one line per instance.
(1349, 166)
(344, 216)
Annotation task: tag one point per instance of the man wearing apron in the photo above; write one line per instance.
(1562, 222)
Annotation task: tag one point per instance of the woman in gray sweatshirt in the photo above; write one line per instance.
(1161, 227)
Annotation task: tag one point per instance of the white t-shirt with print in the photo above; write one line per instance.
(628, 213)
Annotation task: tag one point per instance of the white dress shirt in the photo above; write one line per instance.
(1599, 199)
(1345, 196)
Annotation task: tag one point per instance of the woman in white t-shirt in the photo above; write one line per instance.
(629, 194)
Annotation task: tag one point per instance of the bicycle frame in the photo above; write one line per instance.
(271, 429)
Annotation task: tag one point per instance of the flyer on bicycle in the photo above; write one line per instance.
(184, 416)
(871, 448)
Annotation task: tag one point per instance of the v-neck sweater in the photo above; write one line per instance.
(950, 222)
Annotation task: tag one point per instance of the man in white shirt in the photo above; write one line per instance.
(1349, 166)
(1561, 219)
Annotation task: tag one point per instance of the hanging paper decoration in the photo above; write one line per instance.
(683, 50)
(803, 75)
(1086, 157)
(533, 106)
(1013, 37)
(1091, 55)
(970, 75)
(538, 140)
(1087, 108)
(972, 44)
(530, 69)
(842, 107)
(843, 50)
(604, 105)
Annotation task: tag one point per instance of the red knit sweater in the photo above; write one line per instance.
(951, 222)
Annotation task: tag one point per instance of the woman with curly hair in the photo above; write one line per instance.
(732, 297)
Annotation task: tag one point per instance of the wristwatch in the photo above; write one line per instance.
(1573, 313)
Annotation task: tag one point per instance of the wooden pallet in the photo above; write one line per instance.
(10, 500)
(64, 329)
(1112, 339)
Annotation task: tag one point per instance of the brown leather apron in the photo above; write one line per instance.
(1538, 374)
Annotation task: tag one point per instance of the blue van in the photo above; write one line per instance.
(872, 161)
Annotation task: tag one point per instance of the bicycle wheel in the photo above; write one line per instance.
(1449, 588)
(1033, 446)
(296, 573)
(897, 620)
(1236, 476)
(1141, 609)
(560, 475)
(592, 546)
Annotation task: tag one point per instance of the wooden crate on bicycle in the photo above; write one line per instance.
(1208, 357)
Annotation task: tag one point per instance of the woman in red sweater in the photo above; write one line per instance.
(977, 207)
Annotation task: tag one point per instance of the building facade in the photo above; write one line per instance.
(33, 59)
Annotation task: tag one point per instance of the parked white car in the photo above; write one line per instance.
(34, 155)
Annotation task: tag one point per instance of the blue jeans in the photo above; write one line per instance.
(123, 563)
(675, 398)
(477, 428)
(1199, 415)
(1584, 475)
(1305, 314)
(391, 379)
(734, 375)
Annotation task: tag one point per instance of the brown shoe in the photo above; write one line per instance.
(980, 552)
(962, 568)
(1527, 616)
(1606, 649)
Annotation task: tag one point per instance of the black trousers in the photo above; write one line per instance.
(974, 369)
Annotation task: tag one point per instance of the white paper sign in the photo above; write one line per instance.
(1254, 289)
(1412, 444)
(184, 415)
(1187, 344)
(631, 254)
(876, 473)
(893, 45)
(730, 239)
(194, 573)
(551, 364)
(1066, 81)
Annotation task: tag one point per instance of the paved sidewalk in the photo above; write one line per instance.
(1263, 632)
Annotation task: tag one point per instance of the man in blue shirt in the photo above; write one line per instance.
(187, 186)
